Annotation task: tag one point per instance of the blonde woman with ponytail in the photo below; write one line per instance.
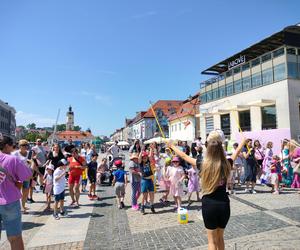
(214, 172)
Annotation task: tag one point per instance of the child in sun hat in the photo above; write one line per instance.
(136, 177)
(48, 183)
(176, 178)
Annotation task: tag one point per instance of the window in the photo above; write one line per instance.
(209, 124)
(237, 70)
(246, 83)
(267, 76)
(291, 51)
(175, 127)
(238, 86)
(245, 66)
(244, 120)
(278, 52)
(292, 70)
(268, 115)
(229, 89)
(225, 124)
(203, 98)
(209, 96)
(228, 73)
(256, 80)
(266, 57)
(255, 62)
(215, 94)
(279, 72)
(222, 92)
(179, 126)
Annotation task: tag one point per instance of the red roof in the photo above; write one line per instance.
(189, 107)
(168, 107)
(74, 135)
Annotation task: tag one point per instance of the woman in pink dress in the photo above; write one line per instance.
(176, 178)
(295, 153)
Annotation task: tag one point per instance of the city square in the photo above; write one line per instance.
(150, 125)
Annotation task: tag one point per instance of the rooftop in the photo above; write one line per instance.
(288, 36)
(168, 107)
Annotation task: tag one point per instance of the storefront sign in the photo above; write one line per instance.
(236, 62)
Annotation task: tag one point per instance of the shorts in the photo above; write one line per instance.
(59, 197)
(120, 189)
(84, 182)
(26, 184)
(92, 175)
(74, 179)
(10, 216)
(147, 186)
(274, 178)
(215, 214)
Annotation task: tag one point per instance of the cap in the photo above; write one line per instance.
(175, 159)
(63, 162)
(168, 160)
(118, 162)
(50, 166)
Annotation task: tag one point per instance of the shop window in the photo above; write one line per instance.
(291, 51)
(225, 124)
(229, 89)
(278, 52)
(209, 124)
(203, 98)
(256, 80)
(238, 86)
(268, 115)
(279, 72)
(244, 120)
(267, 76)
(222, 92)
(292, 70)
(246, 83)
(209, 96)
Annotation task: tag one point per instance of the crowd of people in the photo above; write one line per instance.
(205, 169)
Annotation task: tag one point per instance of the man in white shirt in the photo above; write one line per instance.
(114, 150)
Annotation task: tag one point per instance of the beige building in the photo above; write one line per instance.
(257, 89)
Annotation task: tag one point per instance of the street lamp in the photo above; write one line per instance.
(190, 98)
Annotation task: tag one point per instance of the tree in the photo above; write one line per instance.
(61, 127)
(31, 137)
(77, 128)
(31, 126)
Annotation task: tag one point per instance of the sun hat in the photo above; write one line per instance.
(168, 160)
(62, 162)
(134, 156)
(175, 159)
(50, 166)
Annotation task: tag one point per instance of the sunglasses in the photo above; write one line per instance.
(24, 145)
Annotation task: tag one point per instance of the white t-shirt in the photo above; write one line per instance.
(59, 185)
(114, 149)
(21, 157)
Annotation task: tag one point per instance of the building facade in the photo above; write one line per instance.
(7, 119)
(185, 124)
(256, 90)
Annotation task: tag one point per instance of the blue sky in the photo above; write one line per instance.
(108, 59)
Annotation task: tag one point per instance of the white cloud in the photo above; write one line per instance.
(143, 15)
(24, 118)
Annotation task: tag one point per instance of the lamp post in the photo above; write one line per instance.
(190, 98)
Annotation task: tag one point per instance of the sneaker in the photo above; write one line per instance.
(247, 190)
(135, 207)
(56, 216)
(94, 197)
(63, 213)
(253, 191)
(90, 196)
(29, 201)
(161, 200)
(143, 210)
(152, 209)
(122, 204)
(276, 192)
(72, 204)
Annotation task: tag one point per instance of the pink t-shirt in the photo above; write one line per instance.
(18, 171)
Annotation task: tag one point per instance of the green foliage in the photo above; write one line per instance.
(31, 126)
(77, 128)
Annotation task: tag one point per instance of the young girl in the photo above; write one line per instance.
(275, 170)
(193, 185)
(176, 178)
(164, 181)
(48, 182)
(101, 171)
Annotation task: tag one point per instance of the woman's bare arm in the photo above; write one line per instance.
(182, 155)
(239, 149)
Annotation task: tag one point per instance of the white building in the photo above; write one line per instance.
(7, 119)
(257, 89)
(184, 124)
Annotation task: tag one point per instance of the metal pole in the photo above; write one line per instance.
(55, 128)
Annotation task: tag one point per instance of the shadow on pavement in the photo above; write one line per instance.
(30, 225)
(107, 198)
(102, 204)
(86, 215)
